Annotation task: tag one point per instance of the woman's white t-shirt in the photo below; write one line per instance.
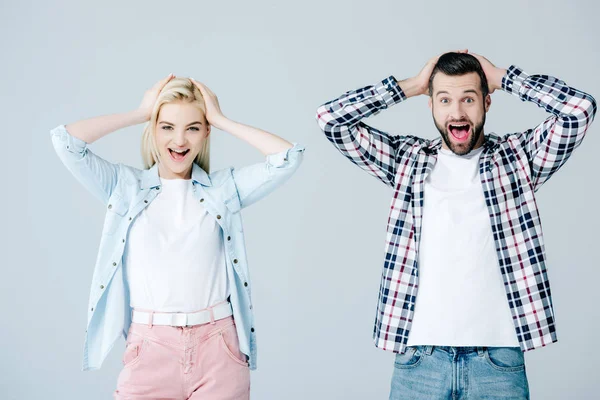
(175, 257)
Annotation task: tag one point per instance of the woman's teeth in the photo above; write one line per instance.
(178, 155)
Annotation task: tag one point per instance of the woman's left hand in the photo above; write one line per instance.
(213, 109)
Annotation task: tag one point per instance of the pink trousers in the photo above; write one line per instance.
(198, 362)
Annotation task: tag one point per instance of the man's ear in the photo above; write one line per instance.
(488, 102)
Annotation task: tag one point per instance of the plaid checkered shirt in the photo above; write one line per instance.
(511, 168)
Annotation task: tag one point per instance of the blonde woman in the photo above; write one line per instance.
(171, 273)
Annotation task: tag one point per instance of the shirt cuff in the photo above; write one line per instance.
(286, 157)
(390, 91)
(513, 80)
(62, 137)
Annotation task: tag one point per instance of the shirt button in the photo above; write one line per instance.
(251, 329)
(157, 188)
(146, 201)
(123, 240)
(245, 283)
(218, 217)
(130, 218)
(235, 260)
(202, 200)
(92, 309)
(109, 206)
(228, 237)
(114, 264)
(101, 286)
(251, 307)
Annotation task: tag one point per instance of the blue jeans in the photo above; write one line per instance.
(444, 372)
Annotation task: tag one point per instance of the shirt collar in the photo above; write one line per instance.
(151, 179)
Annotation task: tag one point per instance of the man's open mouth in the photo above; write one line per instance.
(460, 132)
(178, 155)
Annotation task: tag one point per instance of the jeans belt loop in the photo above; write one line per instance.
(212, 316)
(150, 319)
(480, 351)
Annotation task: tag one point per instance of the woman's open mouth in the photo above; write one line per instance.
(461, 132)
(178, 155)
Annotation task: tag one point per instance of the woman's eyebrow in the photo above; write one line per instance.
(191, 123)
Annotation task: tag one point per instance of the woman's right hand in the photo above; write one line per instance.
(151, 95)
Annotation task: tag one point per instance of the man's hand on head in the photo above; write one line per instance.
(419, 84)
(493, 74)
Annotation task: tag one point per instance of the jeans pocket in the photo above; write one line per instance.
(411, 357)
(230, 343)
(136, 346)
(509, 359)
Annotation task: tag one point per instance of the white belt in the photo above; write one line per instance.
(212, 314)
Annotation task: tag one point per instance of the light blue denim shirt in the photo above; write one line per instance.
(126, 191)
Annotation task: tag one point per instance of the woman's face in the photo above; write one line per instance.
(181, 130)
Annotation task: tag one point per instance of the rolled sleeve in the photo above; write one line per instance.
(93, 172)
(287, 157)
(64, 141)
(254, 182)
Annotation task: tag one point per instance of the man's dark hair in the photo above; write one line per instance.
(456, 64)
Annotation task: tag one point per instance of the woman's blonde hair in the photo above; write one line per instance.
(176, 90)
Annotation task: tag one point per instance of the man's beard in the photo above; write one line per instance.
(459, 149)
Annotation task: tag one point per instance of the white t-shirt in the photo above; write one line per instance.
(175, 260)
(461, 299)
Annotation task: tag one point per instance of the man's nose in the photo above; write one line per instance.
(457, 113)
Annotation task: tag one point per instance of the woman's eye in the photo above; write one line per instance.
(166, 127)
(194, 128)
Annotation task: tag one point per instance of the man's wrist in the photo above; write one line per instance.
(411, 87)
(499, 74)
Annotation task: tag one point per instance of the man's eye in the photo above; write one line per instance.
(469, 100)
(444, 101)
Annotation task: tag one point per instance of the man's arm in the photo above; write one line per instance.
(549, 145)
(372, 150)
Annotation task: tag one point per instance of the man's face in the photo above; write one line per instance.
(458, 110)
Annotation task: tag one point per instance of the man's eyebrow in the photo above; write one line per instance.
(466, 91)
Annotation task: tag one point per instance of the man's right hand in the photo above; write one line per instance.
(419, 84)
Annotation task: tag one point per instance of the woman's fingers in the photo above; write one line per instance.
(161, 84)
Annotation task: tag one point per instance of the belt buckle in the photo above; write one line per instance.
(179, 319)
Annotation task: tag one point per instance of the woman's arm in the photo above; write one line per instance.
(254, 182)
(267, 143)
(91, 129)
(70, 142)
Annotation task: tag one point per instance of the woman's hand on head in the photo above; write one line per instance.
(213, 109)
(151, 95)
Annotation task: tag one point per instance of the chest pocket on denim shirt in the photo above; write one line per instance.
(116, 210)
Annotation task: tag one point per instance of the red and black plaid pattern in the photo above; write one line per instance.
(512, 168)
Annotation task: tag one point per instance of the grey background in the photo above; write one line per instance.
(315, 246)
